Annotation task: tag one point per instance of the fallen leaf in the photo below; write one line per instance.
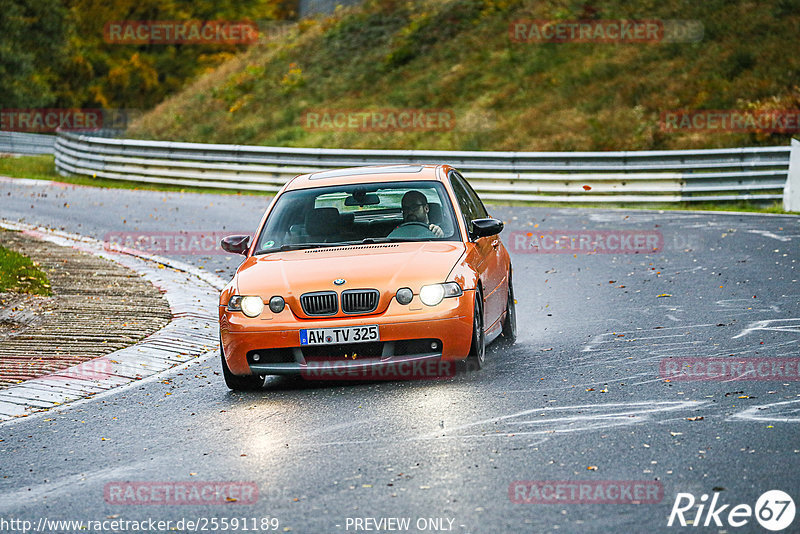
(697, 418)
(592, 468)
(663, 295)
(587, 188)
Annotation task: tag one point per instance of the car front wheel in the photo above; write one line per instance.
(236, 382)
(477, 351)
(509, 335)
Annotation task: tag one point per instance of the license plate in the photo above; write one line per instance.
(334, 336)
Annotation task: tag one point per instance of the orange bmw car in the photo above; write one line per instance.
(366, 268)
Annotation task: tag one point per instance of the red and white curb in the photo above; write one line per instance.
(192, 295)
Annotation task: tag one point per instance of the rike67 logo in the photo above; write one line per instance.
(774, 510)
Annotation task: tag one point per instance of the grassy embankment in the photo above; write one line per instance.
(457, 55)
(18, 274)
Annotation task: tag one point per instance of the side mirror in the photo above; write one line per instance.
(235, 244)
(486, 227)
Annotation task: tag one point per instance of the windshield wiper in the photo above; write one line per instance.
(366, 241)
(294, 246)
(374, 240)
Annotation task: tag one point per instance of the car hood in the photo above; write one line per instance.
(386, 267)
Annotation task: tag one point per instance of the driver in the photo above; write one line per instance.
(415, 210)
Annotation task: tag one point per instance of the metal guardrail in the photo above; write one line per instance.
(26, 143)
(643, 176)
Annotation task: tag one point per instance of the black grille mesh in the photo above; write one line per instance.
(360, 300)
(319, 303)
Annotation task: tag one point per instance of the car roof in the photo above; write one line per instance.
(371, 174)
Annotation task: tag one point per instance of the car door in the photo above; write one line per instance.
(488, 250)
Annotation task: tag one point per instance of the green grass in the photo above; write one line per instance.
(457, 55)
(35, 167)
(19, 274)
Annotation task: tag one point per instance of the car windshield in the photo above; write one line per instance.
(359, 213)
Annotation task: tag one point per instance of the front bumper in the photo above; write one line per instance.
(449, 324)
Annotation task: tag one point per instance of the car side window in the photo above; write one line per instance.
(471, 206)
(478, 209)
(463, 199)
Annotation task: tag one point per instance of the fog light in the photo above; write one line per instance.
(404, 295)
(276, 304)
(256, 357)
(434, 345)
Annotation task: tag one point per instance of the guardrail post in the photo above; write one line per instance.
(791, 192)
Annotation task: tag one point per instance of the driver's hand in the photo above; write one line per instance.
(437, 230)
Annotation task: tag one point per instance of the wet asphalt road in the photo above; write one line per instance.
(578, 398)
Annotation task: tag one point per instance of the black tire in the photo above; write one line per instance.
(509, 334)
(236, 382)
(477, 350)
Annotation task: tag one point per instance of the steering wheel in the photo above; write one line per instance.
(412, 229)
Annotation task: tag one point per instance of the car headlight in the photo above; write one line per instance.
(250, 306)
(434, 294)
(404, 295)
